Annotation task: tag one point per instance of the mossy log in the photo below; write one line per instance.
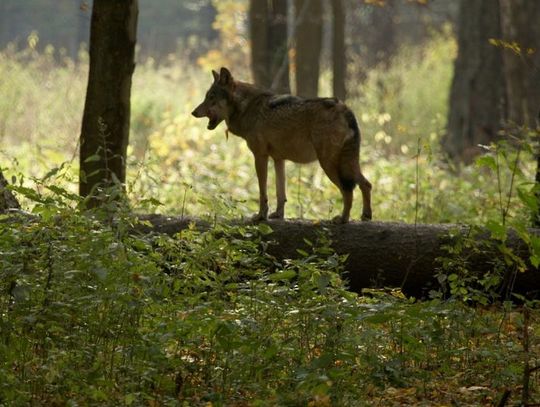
(384, 254)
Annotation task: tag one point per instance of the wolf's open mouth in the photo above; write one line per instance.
(212, 122)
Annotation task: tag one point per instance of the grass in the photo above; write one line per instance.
(92, 315)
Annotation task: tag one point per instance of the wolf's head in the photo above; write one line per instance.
(216, 104)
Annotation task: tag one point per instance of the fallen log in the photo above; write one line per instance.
(385, 254)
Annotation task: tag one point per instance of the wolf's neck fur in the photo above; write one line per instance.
(244, 107)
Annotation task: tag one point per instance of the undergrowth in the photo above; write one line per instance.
(94, 314)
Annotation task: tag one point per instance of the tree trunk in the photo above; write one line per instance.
(308, 46)
(380, 35)
(520, 21)
(338, 50)
(520, 29)
(269, 48)
(3, 24)
(258, 33)
(477, 96)
(383, 254)
(7, 199)
(278, 46)
(536, 218)
(105, 125)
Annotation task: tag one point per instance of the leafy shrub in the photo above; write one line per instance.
(93, 313)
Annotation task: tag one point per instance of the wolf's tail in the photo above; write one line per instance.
(350, 154)
(353, 124)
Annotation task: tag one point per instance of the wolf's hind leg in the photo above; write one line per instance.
(365, 187)
(346, 189)
(347, 195)
(280, 190)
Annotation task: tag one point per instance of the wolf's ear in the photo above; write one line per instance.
(225, 77)
(215, 75)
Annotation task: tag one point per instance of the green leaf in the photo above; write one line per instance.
(282, 275)
(322, 361)
(379, 318)
(535, 245)
(93, 158)
(323, 281)
(528, 198)
(265, 229)
(487, 161)
(453, 277)
(498, 230)
(27, 193)
(129, 399)
(63, 192)
(51, 173)
(535, 261)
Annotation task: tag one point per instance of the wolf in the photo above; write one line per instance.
(286, 127)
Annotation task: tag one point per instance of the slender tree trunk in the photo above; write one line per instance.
(269, 48)
(381, 35)
(536, 219)
(338, 50)
(105, 125)
(3, 24)
(308, 46)
(377, 37)
(258, 33)
(477, 96)
(7, 199)
(278, 45)
(520, 21)
(521, 30)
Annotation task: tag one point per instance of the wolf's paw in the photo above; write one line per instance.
(339, 220)
(366, 217)
(259, 217)
(276, 215)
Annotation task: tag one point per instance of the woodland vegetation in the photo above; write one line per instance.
(130, 273)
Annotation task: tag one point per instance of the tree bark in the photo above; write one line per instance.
(7, 199)
(4, 29)
(269, 48)
(380, 35)
(338, 50)
(258, 33)
(308, 46)
(105, 125)
(520, 27)
(536, 217)
(279, 50)
(477, 96)
(521, 56)
(383, 254)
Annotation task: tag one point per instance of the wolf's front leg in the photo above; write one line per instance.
(280, 190)
(261, 167)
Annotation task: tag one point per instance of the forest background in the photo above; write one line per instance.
(206, 318)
